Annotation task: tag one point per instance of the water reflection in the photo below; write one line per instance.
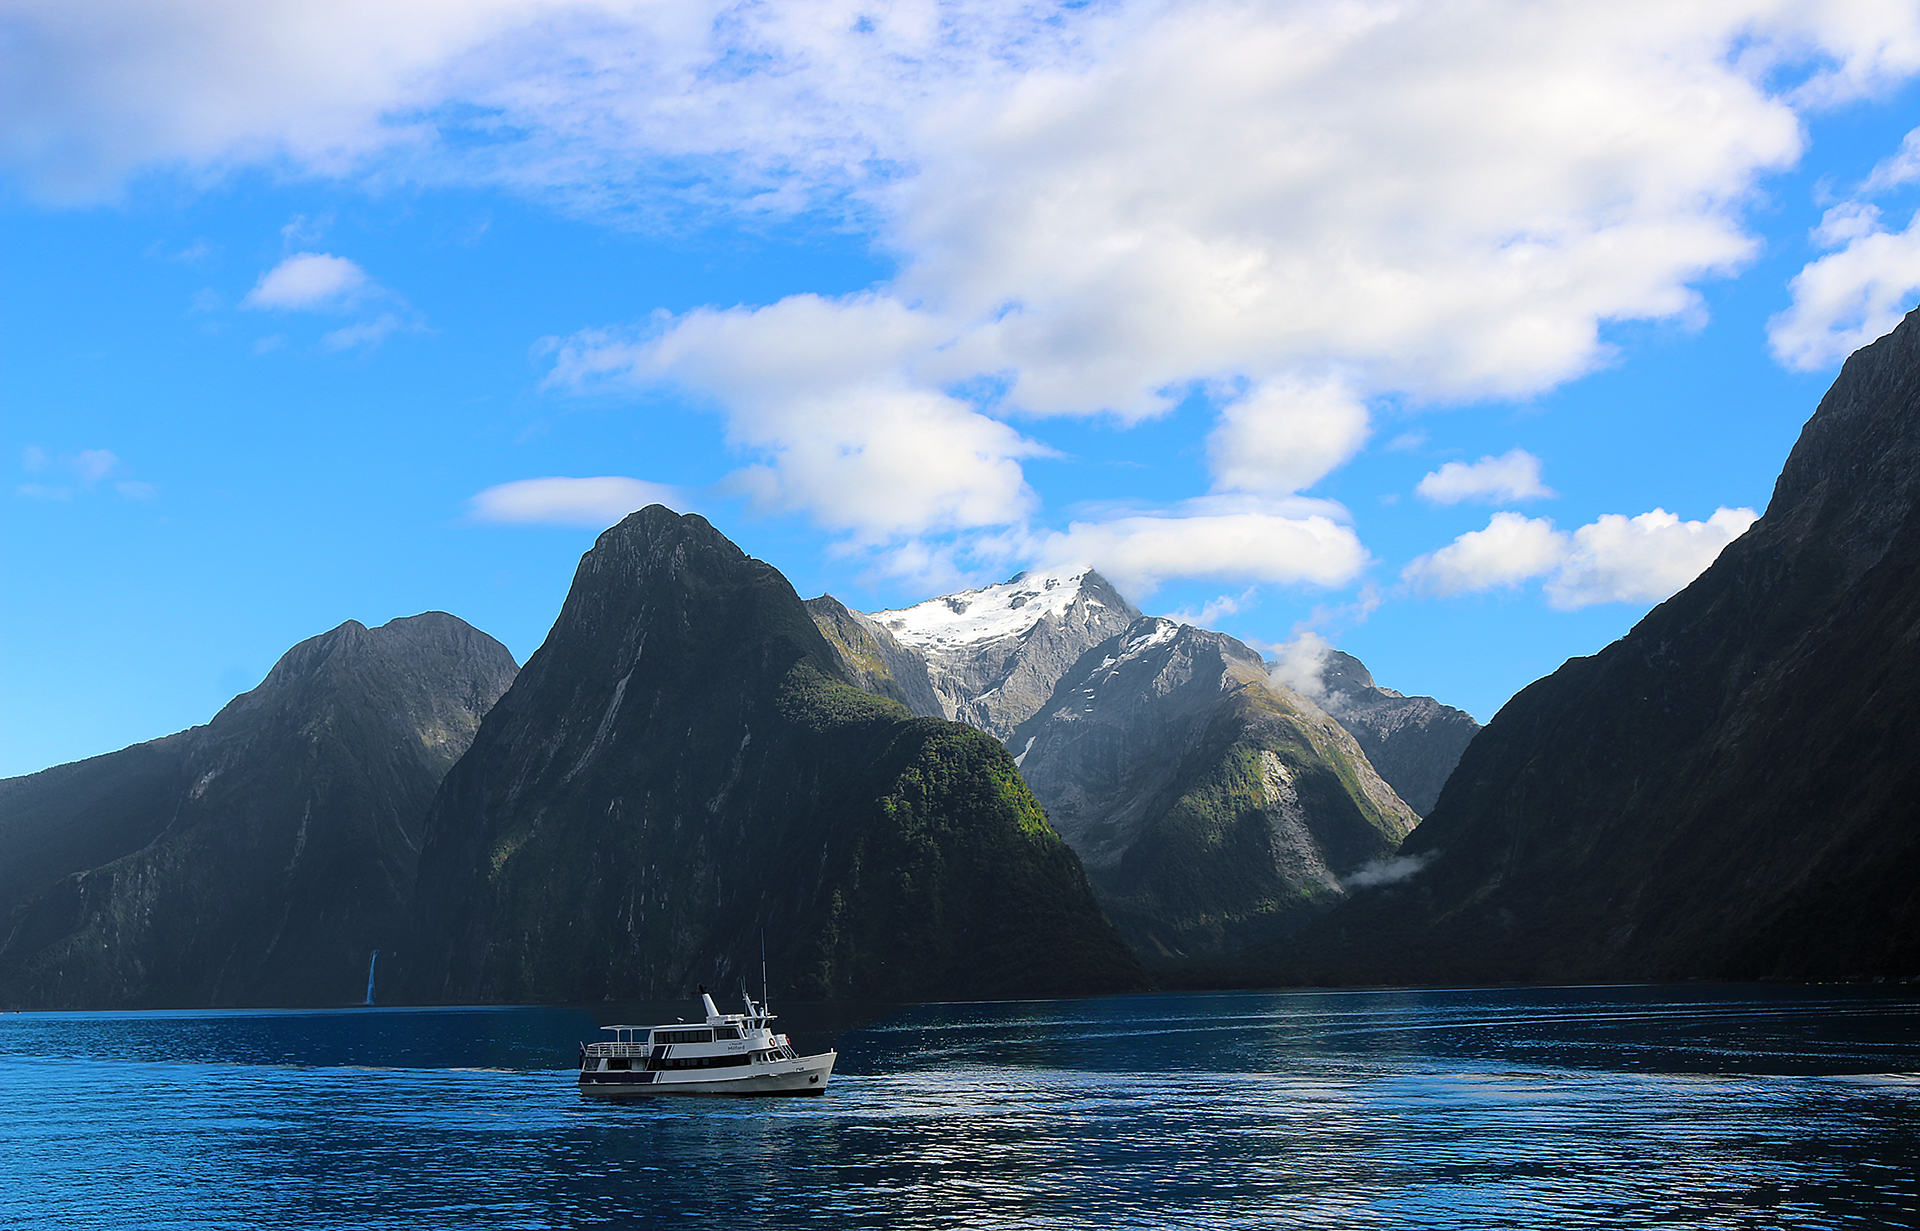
(1566, 1107)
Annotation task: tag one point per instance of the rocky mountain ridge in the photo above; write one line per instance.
(1212, 807)
(994, 654)
(258, 859)
(684, 768)
(1414, 742)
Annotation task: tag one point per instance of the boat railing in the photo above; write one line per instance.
(616, 1051)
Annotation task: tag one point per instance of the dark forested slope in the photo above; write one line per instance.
(683, 768)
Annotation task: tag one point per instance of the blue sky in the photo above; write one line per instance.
(1386, 325)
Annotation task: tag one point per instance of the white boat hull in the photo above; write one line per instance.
(806, 1075)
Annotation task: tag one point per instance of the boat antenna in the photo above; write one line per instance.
(763, 970)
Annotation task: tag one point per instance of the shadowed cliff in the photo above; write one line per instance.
(683, 768)
(1732, 790)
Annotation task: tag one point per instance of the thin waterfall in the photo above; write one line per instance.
(371, 963)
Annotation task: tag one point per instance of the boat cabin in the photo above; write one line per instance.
(726, 1040)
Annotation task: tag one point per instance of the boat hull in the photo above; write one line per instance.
(805, 1076)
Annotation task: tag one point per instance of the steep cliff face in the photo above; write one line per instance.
(995, 654)
(873, 660)
(1212, 808)
(1414, 742)
(1727, 791)
(258, 859)
(683, 768)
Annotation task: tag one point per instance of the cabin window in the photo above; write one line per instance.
(727, 1032)
(682, 1036)
(701, 1062)
(620, 1064)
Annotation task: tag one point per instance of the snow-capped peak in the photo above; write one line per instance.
(972, 617)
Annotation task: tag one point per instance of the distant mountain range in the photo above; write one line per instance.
(1729, 791)
(1212, 805)
(695, 759)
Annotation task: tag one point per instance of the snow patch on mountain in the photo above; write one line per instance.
(973, 617)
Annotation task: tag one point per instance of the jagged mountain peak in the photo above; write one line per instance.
(1005, 609)
(993, 655)
(688, 771)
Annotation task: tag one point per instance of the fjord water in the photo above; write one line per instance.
(1595, 1107)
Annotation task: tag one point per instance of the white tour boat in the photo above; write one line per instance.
(732, 1053)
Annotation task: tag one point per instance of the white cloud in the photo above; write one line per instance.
(1900, 167)
(594, 502)
(1512, 549)
(1262, 190)
(824, 395)
(1301, 664)
(1138, 553)
(365, 333)
(1210, 611)
(309, 281)
(1285, 436)
(1390, 871)
(93, 465)
(1096, 208)
(1848, 298)
(94, 90)
(1514, 475)
(1646, 558)
(88, 468)
(1613, 559)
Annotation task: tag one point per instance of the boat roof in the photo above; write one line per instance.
(714, 1016)
(723, 1019)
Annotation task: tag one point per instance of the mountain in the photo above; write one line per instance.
(683, 772)
(1728, 791)
(256, 860)
(994, 655)
(1212, 807)
(1414, 742)
(873, 660)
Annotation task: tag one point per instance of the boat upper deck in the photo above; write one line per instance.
(720, 1034)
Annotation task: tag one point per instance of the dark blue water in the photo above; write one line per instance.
(1640, 1107)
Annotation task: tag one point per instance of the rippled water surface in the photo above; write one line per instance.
(1566, 1108)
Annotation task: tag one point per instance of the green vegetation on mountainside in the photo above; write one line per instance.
(682, 770)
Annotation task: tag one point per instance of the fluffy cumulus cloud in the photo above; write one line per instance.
(1613, 559)
(307, 281)
(1861, 288)
(824, 394)
(1285, 436)
(1640, 559)
(557, 501)
(1139, 553)
(1851, 296)
(1514, 475)
(1512, 549)
(1287, 206)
